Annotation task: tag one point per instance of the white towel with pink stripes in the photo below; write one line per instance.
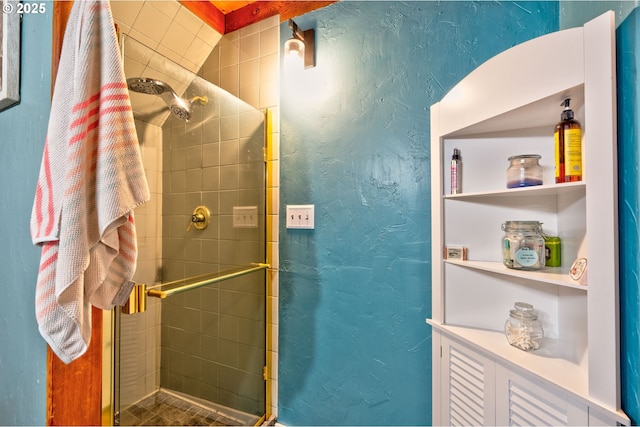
(91, 178)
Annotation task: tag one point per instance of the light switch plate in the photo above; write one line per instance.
(300, 216)
(245, 217)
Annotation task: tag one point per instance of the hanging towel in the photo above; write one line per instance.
(91, 178)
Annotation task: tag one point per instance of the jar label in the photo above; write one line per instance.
(527, 257)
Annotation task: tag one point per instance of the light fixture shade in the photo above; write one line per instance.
(302, 45)
(294, 47)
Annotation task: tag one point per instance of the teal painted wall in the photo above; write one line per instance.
(23, 353)
(628, 52)
(574, 13)
(354, 348)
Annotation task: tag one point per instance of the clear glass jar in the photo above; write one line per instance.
(524, 171)
(523, 329)
(523, 245)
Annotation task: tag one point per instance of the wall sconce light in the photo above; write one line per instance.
(301, 45)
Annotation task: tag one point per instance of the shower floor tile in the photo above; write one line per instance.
(164, 409)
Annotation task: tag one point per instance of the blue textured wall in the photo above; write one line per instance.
(575, 13)
(354, 348)
(22, 131)
(628, 52)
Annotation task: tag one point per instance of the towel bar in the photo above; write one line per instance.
(137, 300)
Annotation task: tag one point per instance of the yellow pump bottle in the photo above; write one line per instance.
(568, 146)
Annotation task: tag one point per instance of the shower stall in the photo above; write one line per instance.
(196, 355)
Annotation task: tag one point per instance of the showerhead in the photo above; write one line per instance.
(148, 86)
(181, 108)
(183, 112)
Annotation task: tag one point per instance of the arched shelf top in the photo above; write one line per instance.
(506, 92)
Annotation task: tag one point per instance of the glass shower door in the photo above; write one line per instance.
(196, 356)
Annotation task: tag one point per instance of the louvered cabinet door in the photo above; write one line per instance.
(520, 402)
(468, 393)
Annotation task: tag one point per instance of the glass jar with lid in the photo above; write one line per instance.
(524, 171)
(523, 329)
(523, 245)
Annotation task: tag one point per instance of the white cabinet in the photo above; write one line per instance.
(468, 386)
(509, 106)
(523, 402)
(477, 390)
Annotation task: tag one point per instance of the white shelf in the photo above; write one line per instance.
(540, 190)
(553, 362)
(552, 275)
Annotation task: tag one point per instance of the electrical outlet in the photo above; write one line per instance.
(300, 216)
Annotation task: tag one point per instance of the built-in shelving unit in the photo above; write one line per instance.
(509, 106)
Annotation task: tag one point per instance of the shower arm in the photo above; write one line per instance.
(201, 99)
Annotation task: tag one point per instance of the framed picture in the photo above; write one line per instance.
(9, 54)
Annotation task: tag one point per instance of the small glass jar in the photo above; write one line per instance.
(523, 245)
(524, 171)
(523, 329)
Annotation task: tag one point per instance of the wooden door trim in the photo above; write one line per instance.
(74, 391)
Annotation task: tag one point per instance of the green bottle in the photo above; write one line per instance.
(552, 251)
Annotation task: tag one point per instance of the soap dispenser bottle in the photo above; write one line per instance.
(568, 146)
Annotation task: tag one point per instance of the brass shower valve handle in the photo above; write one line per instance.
(199, 218)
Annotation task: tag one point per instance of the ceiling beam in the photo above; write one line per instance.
(251, 13)
(260, 10)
